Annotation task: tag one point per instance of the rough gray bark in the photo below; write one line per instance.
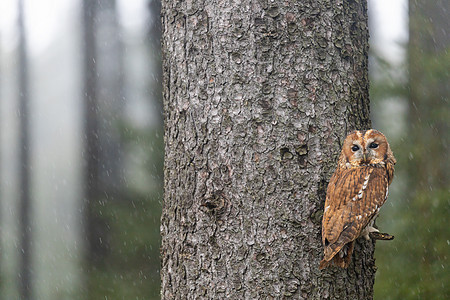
(258, 96)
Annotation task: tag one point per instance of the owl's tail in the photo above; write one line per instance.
(341, 258)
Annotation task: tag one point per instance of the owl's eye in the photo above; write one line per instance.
(373, 145)
(355, 148)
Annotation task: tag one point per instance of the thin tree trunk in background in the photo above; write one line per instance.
(258, 97)
(25, 288)
(110, 97)
(154, 34)
(429, 42)
(426, 208)
(91, 152)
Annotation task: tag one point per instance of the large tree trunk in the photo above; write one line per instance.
(258, 97)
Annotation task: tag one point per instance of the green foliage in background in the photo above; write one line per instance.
(415, 265)
(129, 268)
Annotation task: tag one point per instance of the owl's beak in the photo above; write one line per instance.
(365, 157)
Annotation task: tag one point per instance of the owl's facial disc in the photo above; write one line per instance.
(363, 148)
(375, 146)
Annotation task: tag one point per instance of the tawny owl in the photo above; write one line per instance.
(357, 190)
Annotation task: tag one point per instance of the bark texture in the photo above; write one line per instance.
(258, 96)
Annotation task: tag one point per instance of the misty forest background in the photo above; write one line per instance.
(81, 169)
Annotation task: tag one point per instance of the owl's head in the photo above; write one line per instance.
(364, 147)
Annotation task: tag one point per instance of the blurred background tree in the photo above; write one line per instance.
(415, 265)
(95, 147)
(121, 219)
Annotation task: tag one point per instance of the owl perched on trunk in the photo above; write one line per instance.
(357, 190)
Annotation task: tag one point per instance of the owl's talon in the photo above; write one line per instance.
(372, 229)
(369, 229)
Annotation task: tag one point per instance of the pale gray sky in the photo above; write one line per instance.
(391, 27)
(43, 19)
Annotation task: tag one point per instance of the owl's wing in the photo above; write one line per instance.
(354, 197)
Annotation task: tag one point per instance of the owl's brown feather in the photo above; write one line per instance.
(357, 190)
